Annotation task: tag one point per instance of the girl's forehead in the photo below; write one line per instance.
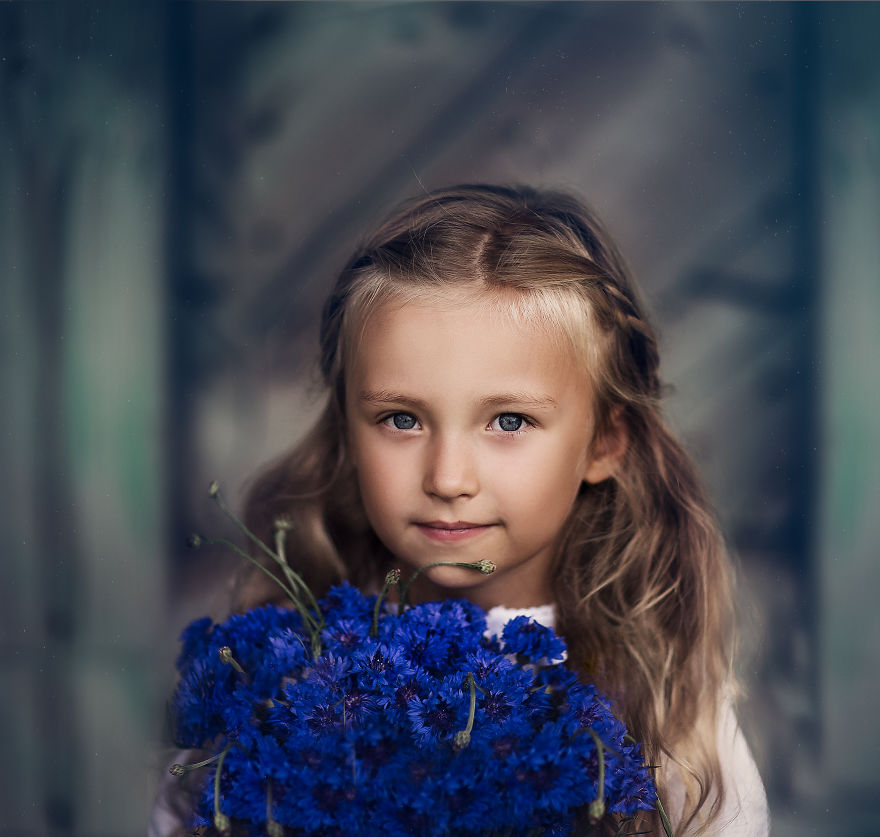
(465, 317)
(444, 354)
(558, 314)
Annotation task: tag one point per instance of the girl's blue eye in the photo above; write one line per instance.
(510, 422)
(403, 421)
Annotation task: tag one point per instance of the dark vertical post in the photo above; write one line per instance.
(179, 372)
(805, 383)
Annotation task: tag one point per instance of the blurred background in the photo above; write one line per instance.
(179, 183)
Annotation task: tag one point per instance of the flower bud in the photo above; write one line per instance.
(485, 566)
(222, 823)
(393, 577)
(274, 828)
(226, 657)
(462, 739)
(194, 541)
(283, 524)
(177, 770)
(214, 489)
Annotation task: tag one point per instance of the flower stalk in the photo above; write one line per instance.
(181, 769)
(483, 566)
(273, 827)
(293, 584)
(392, 578)
(463, 737)
(221, 821)
(597, 806)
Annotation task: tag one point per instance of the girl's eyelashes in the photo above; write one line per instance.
(401, 421)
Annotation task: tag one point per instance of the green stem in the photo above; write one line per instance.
(273, 827)
(485, 567)
(221, 821)
(392, 578)
(294, 577)
(180, 769)
(308, 620)
(235, 548)
(214, 491)
(463, 737)
(295, 583)
(597, 806)
(667, 825)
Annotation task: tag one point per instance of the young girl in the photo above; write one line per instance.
(493, 393)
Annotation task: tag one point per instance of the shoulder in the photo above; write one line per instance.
(745, 809)
(744, 812)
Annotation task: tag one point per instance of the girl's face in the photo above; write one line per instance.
(471, 436)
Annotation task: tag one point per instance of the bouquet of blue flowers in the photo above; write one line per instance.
(353, 716)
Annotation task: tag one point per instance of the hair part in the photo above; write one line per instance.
(643, 587)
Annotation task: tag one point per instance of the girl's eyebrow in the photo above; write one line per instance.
(506, 399)
(518, 399)
(384, 396)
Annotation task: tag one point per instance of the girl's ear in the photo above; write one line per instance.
(607, 450)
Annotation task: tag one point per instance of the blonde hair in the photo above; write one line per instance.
(642, 582)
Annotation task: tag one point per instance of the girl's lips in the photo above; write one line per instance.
(458, 530)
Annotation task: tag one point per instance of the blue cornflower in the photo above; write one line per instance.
(331, 672)
(346, 633)
(358, 706)
(360, 740)
(195, 640)
(524, 636)
(193, 725)
(287, 652)
(345, 602)
(421, 641)
(435, 718)
(324, 718)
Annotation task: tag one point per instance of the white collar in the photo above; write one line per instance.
(498, 616)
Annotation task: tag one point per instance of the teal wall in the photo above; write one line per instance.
(82, 276)
(849, 539)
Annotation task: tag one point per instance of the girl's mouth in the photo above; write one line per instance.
(442, 530)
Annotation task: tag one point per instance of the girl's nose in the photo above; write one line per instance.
(450, 470)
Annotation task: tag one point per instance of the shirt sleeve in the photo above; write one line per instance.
(745, 812)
